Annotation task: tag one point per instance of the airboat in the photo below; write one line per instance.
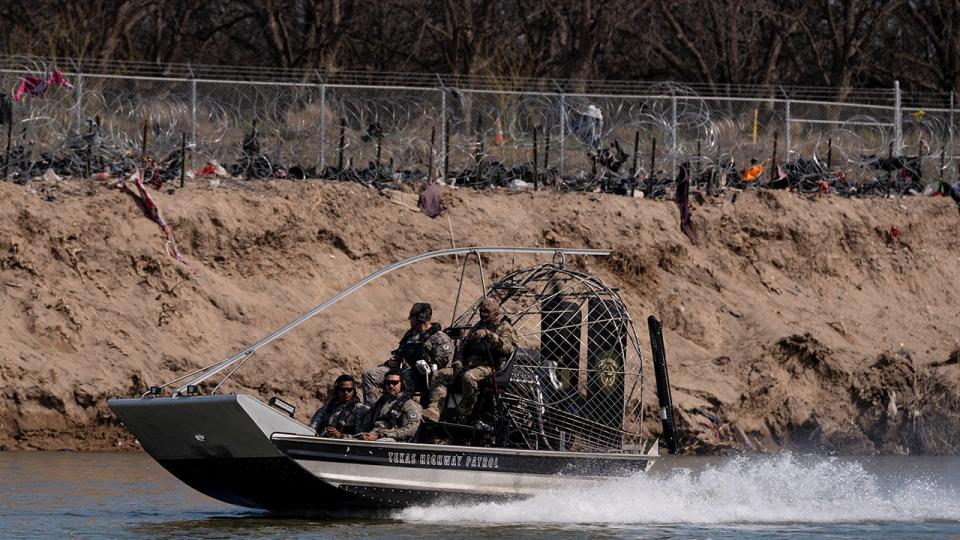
(565, 410)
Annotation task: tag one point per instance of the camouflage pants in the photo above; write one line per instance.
(470, 389)
(371, 384)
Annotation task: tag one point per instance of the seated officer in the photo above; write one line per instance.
(341, 415)
(394, 417)
(423, 347)
(486, 349)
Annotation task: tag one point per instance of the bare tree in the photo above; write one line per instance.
(841, 39)
(837, 43)
(928, 48)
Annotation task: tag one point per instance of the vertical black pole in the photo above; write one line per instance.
(478, 156)
(546, 149)
(343, 129)
(183, 157)
(100, 164)
(829, 153)
(433, 140)
(483, 154)
(943, 155)
(536, 162)
(653, 161)
(697, 168)
(773, 162)
(892, 171)
(446, 153)
(6, 160)
(636, 165)
(90, 159)
(143, 141)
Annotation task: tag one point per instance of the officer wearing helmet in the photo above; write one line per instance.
(487, 347)
(422, 351)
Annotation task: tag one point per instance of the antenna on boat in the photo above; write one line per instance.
(463, 271)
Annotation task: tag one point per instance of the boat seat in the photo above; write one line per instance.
(505, 375)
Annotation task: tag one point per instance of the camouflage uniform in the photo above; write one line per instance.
(431, 345)
(487, 344)
(394, 418)
(346, 416)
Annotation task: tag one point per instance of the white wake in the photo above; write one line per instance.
(774, 489)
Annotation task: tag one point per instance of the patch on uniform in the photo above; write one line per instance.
(412, 415)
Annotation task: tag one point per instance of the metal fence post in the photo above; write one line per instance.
(786, 129)
(897, 121)
(443, 128)
(323, 127)
(673, 136)
(193, 112)
(79, 106)
(563, 131)
(953, 160)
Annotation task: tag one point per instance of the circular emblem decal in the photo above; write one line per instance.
(608, 371)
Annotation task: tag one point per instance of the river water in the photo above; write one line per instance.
(93, 495)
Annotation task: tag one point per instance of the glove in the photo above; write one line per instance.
(423, 367)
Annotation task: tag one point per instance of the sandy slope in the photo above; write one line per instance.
(831, 325)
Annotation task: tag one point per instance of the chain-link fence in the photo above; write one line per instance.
(410, 132)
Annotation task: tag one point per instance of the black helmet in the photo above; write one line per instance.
(421, 312)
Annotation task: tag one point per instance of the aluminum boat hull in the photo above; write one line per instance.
(241, 451)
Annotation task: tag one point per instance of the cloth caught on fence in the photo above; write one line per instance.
(753, 172)
(682, 198)
(430, 201)
(152, 211)
(38, 86)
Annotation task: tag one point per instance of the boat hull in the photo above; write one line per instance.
(239, 450)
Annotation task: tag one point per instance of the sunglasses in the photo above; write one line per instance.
(391, 383)
(346, 389)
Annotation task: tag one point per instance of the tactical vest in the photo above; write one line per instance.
(411, 346)
(345, 412)
(395, 413)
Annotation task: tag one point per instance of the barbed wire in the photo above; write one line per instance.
(459, 131)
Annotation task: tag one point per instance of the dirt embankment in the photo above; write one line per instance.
(794, 322)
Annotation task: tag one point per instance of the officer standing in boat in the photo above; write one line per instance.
(423, 350)
(395, 416)
(488, 346)
(342, 414)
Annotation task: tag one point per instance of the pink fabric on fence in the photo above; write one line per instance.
(37, 87)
